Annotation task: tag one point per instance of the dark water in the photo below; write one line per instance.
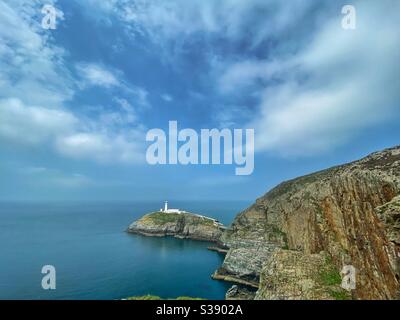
(95, 259)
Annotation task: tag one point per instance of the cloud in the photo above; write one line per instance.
(341, 83)
(140, 96)
(313, 86)
(103, 147)
(235, 20)
(166, 97)
(30, 64)
(68, 135)
(247, 74)
(94, 74)
(228, 116)
(37, 88)
(125, 115)
(318, 86)
(32, 124)
(97, 75)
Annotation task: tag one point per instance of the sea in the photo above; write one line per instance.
(95, 259)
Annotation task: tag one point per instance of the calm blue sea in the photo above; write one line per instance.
(95, 259)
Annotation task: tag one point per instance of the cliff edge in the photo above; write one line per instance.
(347, 215)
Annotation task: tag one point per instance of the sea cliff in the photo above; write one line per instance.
(293, 242)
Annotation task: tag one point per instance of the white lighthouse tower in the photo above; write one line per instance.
(166, 210)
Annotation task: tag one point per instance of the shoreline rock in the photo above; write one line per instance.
(223, 274)
(219, 248)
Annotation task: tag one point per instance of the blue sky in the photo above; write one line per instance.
(76, 102)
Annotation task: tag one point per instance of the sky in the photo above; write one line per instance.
(77, 101)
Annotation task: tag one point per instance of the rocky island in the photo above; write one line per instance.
(178, 223)
(294, 241)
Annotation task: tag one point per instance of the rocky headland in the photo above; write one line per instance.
(293, 242)
(184, 225)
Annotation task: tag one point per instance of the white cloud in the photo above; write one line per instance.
(103, 147)
(140, 96)
(166, 97)
(231, 115)
(126, 115)
(318, 87)
(67, 134)
(32, 124)
(345, 82)
(97, 75)
(36, 87)
(245, 74)
(94, 74)
(176, 19)
(30, 65)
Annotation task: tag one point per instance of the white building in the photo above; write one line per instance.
(166, 210)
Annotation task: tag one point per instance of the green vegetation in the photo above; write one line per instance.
(188, 298)
(146, 297)
(279, 234)
(329, 276)
(285, 246)
(205, 221)
(151, 297)
(340, 294)
(161, 217)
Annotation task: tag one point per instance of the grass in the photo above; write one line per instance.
(329, 276)
(161, 217)
(188, 298)
(151, 297)
(146, 297)
(340, 295)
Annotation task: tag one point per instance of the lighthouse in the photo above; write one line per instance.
(166, 210)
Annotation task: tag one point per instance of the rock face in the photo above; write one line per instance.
(243, 265)
(349, 212)
(180, 225)
(293, 275)
(239, 293)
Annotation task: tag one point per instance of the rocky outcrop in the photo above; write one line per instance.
(183, 225)
(243, 265)
(389, 214)
(349, 212)
(293, 275)
(240, 293)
